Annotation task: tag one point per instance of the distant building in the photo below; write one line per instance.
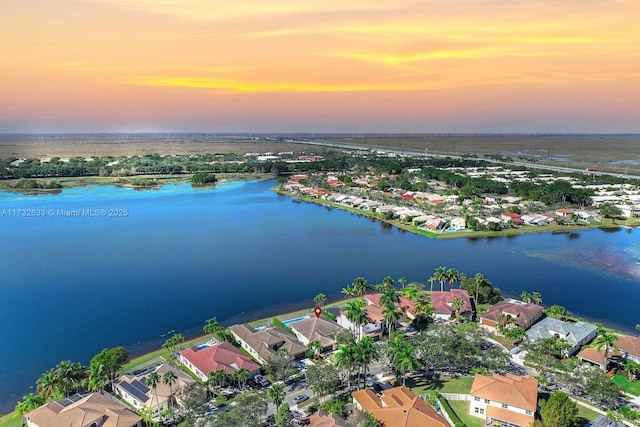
(500, 314)
(92, 410)
(316, 329)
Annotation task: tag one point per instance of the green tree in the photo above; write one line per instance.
(361, 286)
(514, 334)
(391, 316)
(283, 415)
(314, 349)
(356, 315)
(453, 276)
(440, 275)
(402, 280)
(279, 364)
(601, 389)
(216, 378)
(152, 380)
(320, 300)
(605, 339)
(558, 312)
(536, 297)
(47, 385)
(457, 305)
(609, 210)
(323, 378)
(98, 378)
(276, 394)
(366, 353)
(346, 358)
(170, 379)
(111, 360)
(28, 403)
(559, 411)
(241, 376)
(525, 297)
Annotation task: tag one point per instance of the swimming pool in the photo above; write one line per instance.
(297, 319)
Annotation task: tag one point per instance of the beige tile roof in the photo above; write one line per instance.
(93, 408)
(628, 344)
(317, 328)
(399, 407)
(268, 341)
(512, 390)
(510, 416)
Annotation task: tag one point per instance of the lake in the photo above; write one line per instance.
(74, 284)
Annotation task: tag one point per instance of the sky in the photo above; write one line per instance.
(320, 66)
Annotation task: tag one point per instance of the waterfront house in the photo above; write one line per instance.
(501, 313)
(91, 410)
(515, 218)
(564, 213)
(442, 302)
(316, 329)
(132, 388)
(262, 343)
(576, 334)
(629, 347)
(406, 306)
(373, 327)
(204, 359)
(595, 357)
(508, 401)
(397, 407)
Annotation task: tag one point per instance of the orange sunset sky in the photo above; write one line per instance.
(320, 66)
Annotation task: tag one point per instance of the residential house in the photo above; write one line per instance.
(316, 329)
(564, 213)
(576, 334)
(132, 388)
(629, 347)
(509, 401)
(593, 356)
(322, 419)
(458, 223)
(535, 219)
(512, 217)
(442, 302)
(398, 407)
(373, 327)
(264, 342)
(223, 355)
(524, 315)
(91, 410)
(406, 306)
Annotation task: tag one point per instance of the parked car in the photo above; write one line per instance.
(300, 398)
(261, 380)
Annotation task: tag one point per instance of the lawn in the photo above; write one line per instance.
(586, 415)
(461, 408)
(626, 385)
(439, 383)
(11, 420)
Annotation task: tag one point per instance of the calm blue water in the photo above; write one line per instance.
(72, 286)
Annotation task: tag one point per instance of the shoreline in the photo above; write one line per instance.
(470, 234)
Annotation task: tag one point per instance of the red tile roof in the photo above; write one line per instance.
(442, 301)
(219, 356)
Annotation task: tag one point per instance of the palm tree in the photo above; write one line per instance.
(356, 315)
(348, 291)
(525, 297)
(314, 348)
(152, 381)
(98, 378)
(366, 352)
(47, 384)
(29, 402)
(170, 379)
(69, 376)
(638, 326)
(605, 339)
(320, 299)
(402, 280)
(387, 284)
(457, 305)
(212, 326)
(440, 275)
(360, 285)
(536, 297)
(404, 360)
(478, 279)
(389, 298)
(346, 357)
(411, 293)
(453, 276)
(391, 316)
(241, 375)
(276, 394)
(216, 378)
(431, 280)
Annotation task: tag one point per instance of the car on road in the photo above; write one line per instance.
(261, 380)
(300, 398)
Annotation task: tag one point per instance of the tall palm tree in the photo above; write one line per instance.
(402, 280)
(346, 357)
(405, 360)
(356, 315)
(170, 379)
(360, 285)
(391, 316)
(440, 275)
(525, 297)
(457, 305)
(216, 378)
(314, 348)
(47, 384)
(69, 376)
(536, 297)
(28, 403)
(389, 298)
(152, 381)
(605, 339)
(431, 280)
(366, 352)
(241, 375)
(387, 284)
(453, 276)
(348, 292)
(276, 394)
(98, 378)
(320, 299)
(478, 279)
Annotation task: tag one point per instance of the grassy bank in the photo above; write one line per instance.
(607, 224)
